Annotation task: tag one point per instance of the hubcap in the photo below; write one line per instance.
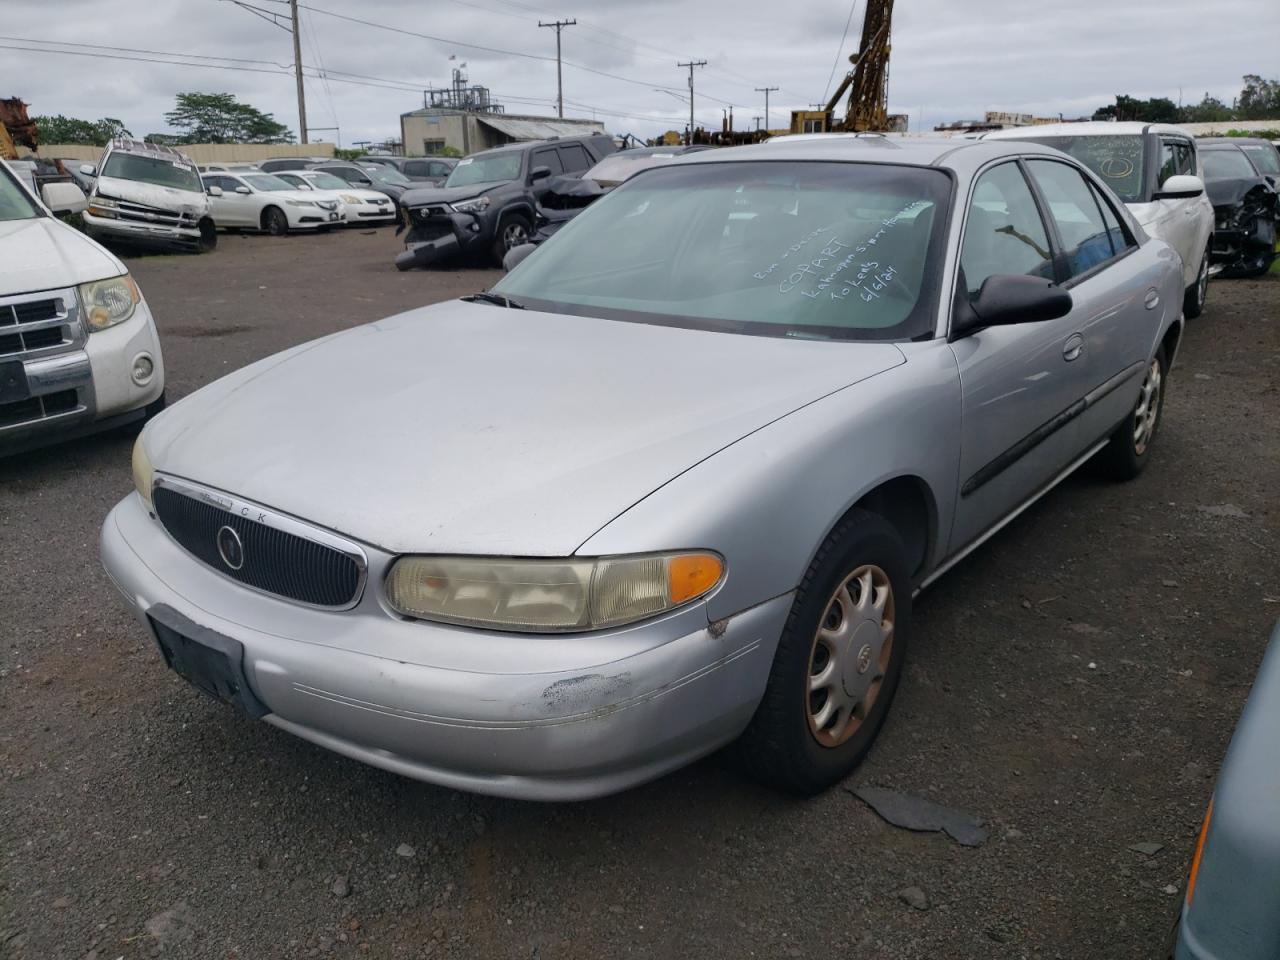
(850, 655)
(1144, 416)
(514, 235)
(1202, 282)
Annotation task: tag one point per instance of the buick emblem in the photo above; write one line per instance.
(230, 549)
(864, 658)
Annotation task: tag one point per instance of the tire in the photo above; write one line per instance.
(275, 222)
(513, 230)
(1193, 300)
(208, 236)
(788, 743)
(1127, 452)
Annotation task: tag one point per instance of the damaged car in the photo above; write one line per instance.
(150, 194)
(1245, 208)
(672, 483)
(489, 202)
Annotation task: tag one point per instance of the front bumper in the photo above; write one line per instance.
(138, 232)
(532, 717)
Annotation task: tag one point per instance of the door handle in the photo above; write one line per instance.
(1074, 346)
(1152, 300)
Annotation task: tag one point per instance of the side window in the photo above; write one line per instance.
(346, 173)
(1176, 157)
(1003, 231)
(1120, 240)
(1085, 240)
(575, 157)
(438, 169)
(1186, 155)
(546, 158)
(417, 168)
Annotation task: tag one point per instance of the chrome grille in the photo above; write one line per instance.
(37, 327)
(272, 559)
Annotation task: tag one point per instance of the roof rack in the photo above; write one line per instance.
(130, 145)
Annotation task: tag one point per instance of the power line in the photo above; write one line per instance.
(172, 63)
(559, 25)
(840, 49)
(161, 53)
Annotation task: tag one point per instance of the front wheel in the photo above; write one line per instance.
(1127, 452)
(275, 222)
(838, 661)
(512, 232)
(208, 236)
(1198, 292)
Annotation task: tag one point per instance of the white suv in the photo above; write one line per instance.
(78, 348)
(1155, 169)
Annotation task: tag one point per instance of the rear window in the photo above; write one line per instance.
(1227, 165)
(1264, 157)
(786, 249)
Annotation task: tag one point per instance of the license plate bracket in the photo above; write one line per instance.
(13, 382)
(209, 661)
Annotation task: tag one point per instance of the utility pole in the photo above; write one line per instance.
(559, 25)
(766, 91)
(691, 64)
(297, 72)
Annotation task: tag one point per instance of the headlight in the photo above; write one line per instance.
(143, 474)
(472, 206)
(105, 303)
(103, 207)
(300, 203)
(549, 596)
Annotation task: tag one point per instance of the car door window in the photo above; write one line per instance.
(417, 168)
(1085, 240)
(1003, 231)
(546, 158)
(1186, 158)
(575, 157)
(346, 173)
(1116, 233)
(438, 169)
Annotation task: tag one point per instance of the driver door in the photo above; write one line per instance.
(1019, 382)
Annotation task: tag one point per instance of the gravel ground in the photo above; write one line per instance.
(1074, 684)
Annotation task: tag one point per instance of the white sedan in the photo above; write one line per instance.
(261, 201)
(360, 205)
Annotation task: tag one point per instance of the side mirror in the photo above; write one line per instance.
(1180, 187)
(364, 181)
(1008, 298)
(539, 173)
(88, 169)
(516, 255)
(243, 190)
(214, 191)
(63, 197)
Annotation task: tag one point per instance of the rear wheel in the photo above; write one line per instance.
(1127, 452)
(275, 222)
(1198, 292)
(512, 232)
(838, 661)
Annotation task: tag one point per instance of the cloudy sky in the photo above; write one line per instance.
(950, 60)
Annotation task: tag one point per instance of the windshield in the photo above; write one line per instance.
(384, 174)
(618, 166)
(174, 173)
(266, 182)
(1227, 165)
(494, 168)
(795, 249)
(15, 202)
(1117, 159)
(1265, 158)
(327, 181)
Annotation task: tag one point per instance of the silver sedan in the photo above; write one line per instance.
(672, 484)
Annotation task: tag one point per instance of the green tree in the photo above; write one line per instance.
(95, 133)
(1208, 110)
(1260, 99)
(1155, 110)
(221, 118)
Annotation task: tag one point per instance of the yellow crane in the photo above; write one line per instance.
(867, 83)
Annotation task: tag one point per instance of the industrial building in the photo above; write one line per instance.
(466, 118)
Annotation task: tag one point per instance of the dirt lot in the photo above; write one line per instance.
(1074, 684)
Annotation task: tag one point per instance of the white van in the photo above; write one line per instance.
(79, 351)
(150, 194)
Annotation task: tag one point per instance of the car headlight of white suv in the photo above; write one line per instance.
(549, 596)
(104, 303)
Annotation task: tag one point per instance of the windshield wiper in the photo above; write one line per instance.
(495, 298)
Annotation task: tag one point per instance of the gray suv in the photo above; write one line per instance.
(489, 200)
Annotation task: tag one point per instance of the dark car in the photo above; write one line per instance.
(421, 170)
(276, 164)
(489, 202)
(1245, 205)
(372, 176)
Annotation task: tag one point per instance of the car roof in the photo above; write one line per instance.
(526, 144)
(1087, 128)
(948, 152)
(1235, 141)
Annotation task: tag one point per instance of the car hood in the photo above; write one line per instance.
(1233, 191)
(420, 196)
(151, 195)
(468, 428)
(44, 254)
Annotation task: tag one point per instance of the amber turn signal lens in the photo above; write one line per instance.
(691, 575)
(1195, 860)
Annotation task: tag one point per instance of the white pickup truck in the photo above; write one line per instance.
(79, 351)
